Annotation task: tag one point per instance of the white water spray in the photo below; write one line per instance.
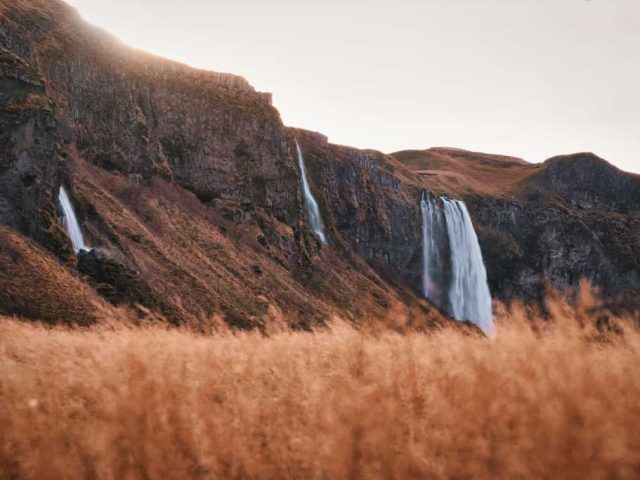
(454, 274)
(313, 211)
(433, 238)
(70, 222)
(469, 291)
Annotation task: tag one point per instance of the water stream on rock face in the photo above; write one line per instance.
(70, 222)
(434, 254)
(454, 275)
(313, 211)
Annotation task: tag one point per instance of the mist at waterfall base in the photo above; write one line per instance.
(313, 211)
(454, 275)
(70, 222)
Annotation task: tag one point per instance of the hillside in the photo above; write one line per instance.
(185, 182)
(459, 172)
(549, 224)
(187, 186)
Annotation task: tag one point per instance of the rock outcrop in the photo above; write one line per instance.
(545, 225)
(371, 205)
(185, 180)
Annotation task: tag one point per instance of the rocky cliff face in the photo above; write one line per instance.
(573, 217)
(371, 203)
(139, 115)
(186, 184)
(185, 181)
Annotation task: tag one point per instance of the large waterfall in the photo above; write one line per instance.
(313, 211)
(70, 222)
(454, 275)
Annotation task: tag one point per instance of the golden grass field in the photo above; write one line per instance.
(555, 399)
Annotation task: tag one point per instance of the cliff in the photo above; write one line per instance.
(184, 181)
(372, 205)
(186, 184)
(550, 224)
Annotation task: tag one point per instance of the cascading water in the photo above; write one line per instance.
(313, 211)
(469, 291)
(434, 253)
(70, 222)
(454, 275)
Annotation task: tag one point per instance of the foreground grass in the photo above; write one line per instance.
(157, 403)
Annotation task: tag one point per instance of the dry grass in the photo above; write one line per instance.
(459, 172)
(34, 284)
(558, 400)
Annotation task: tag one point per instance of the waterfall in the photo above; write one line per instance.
(469, 294)
(434, 254)
(70, 222)
(454, 275)
(313, 211)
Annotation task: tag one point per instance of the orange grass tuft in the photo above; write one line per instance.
(557, 400)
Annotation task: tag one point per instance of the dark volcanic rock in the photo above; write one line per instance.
(187, 177)
(371, 203)
(114, 280)
(578, 218)
(588, 182)
(142, 115)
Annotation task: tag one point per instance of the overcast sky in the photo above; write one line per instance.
(530, 78)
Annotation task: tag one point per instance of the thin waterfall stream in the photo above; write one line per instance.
(70, 222)
(313, 211)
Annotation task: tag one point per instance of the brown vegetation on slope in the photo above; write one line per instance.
(185, 181)
(552, 400)
(459, 172)
(37, 286)
(196, 265)
(570, 217)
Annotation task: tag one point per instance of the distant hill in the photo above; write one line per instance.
(548, 224)
(460, 172)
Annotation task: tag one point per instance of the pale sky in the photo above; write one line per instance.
(529, 78)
